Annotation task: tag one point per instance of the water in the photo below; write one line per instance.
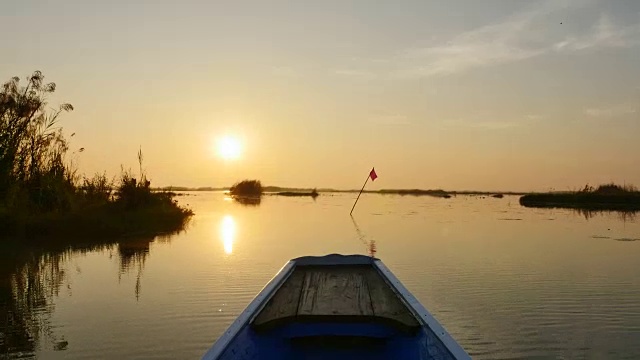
(506, 281)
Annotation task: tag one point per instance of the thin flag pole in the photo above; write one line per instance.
(360, 193)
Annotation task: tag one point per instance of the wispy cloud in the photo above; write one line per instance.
(482, 124)
(355, 73)
(496, 125)
(613, 111)
(488, 45)
(489, 124)
(522, 36)
(285, 71)
(534, 117)
(604, 34)
(396, 119)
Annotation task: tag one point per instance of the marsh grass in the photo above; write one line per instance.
(41, 193)
(611, 189)
(604, 197)
(133, 209)
(313, 193)
(416, 192)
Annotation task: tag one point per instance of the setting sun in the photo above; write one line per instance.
(229, 148)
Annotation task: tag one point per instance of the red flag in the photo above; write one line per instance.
(373, 174)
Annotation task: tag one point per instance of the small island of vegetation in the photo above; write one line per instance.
(42, 196)
(249, 192)
(604, 197)
(246, 188)
(313, 193)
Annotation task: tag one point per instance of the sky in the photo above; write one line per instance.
(460, 94)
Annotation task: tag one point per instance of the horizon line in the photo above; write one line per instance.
(320, 189)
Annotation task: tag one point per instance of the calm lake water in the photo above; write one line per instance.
(506, 281)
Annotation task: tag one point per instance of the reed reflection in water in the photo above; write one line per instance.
(31, 280)
(26, 302)
(133, 254)
(624, 216)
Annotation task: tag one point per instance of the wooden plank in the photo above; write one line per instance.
(385, 302)
(284, 303)
(337, 291)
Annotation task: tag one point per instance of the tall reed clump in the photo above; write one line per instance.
(41, 192)
(134, 193)
(33, 173)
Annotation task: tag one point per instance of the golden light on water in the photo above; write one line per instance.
(229, 148)
(228, 233)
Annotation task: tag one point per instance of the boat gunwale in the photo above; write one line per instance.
(250, 312)
(420, 312)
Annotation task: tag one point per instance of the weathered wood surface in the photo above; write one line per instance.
(285, 301)
(385, 302)
(335, 291)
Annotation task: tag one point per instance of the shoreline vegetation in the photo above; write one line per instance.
(44, 199)
(250, 192)
(608, 197)
(611, 197)
(313, 193)
(416, 192)
(293, 191)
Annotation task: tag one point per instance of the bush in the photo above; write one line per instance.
(132, 194)
(96, 190)
(247, 188)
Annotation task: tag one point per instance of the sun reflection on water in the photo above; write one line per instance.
(228, 233)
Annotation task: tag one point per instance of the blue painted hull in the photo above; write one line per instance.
(336, 337)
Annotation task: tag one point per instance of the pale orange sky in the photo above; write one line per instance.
(491, 95)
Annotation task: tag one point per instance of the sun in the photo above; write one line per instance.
(229, 148)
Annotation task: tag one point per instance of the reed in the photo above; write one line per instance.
(41, 193)
(604, 197)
